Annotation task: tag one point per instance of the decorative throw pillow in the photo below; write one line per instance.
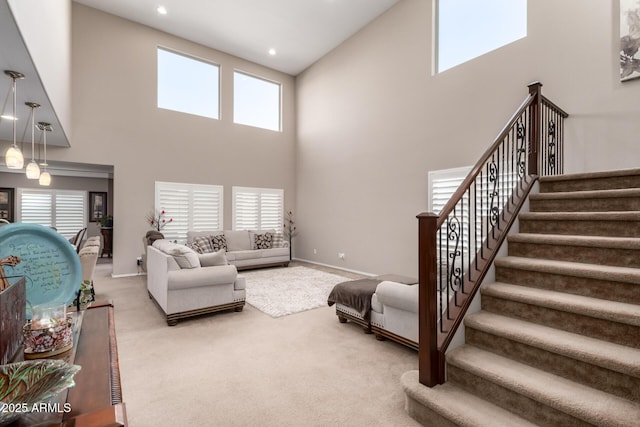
(196, 247)
(219, 243)
(213, 259)
(278, 239)
(205, 244)
(184, 256)
(264, 241)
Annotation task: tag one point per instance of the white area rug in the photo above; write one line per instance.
(282, 291)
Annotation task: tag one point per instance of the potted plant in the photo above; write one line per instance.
(106, 221)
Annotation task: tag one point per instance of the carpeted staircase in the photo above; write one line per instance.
(557, 342)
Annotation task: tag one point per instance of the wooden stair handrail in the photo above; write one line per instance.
(433, 344)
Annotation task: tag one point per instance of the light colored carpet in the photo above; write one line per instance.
(282, 291)
(249, 369)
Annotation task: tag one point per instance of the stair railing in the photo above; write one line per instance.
(458, 245)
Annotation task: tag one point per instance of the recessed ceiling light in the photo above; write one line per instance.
(272, 52)
(162, 10)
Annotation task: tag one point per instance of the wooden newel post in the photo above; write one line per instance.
(431, 372)
(535, 89)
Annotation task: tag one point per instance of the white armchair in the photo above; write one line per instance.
(184, 292)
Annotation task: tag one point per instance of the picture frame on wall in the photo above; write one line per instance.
(629, 40)
(7, 211)
(97, 206)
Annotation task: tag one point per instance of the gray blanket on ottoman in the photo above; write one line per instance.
(357, 293)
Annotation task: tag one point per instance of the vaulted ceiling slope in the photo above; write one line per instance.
(299, 31)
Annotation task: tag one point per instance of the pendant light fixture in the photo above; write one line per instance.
(13, 157)
(33, 170)
(45, 177)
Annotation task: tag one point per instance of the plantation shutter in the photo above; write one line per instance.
(189, 207)
(70, 208)
(442, 185)
(35, 207)
(257, 208)
(64, 210)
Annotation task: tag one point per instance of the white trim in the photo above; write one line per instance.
(335, 266)
(121, 276)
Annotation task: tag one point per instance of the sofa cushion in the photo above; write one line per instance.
(266, 253)
(191, 235)
(251, 254)
(205, 244)
(184, 256)
(202, 277)
(213, 259)
(237, 240)
(219, 242)
(263, 240)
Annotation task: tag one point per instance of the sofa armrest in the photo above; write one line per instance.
(398, 295)
(240, 283)
(202, 276)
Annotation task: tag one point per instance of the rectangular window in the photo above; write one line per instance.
(193, 207)
(467, 29)
(63, 209)
(256, 102)
(257, 208)
(188, 85)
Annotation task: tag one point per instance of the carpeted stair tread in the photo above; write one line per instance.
(592, 307)
(569, 240)
(581, 216)
(447, 400)
(601, 353)
(579, 401)
(591, 175)
(587, 194)
(577, 269)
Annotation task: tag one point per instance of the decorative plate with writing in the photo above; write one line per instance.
(48, 261)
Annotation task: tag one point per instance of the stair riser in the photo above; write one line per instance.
(618, 182)
(510, 400)
(608, 204)
(581, 228)
(613, 291)
(588, 255)
(585, 373)
(425, 415)
(588, 326)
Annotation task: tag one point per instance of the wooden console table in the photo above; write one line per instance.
(96, 399)
(107, 241)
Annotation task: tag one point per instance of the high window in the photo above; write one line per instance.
(190, 207)
(470, 28)
(257, 208)
(256, 102)
(63, 209)
(188, 85)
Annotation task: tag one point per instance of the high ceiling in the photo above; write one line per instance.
(300, 31)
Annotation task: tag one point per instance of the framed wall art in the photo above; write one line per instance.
(97, 206)
(629, 39)
(6, 204)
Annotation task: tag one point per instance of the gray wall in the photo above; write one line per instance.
(373, 121)
(116, 122)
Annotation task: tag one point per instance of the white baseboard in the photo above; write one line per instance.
(119, 276)
(335, 266)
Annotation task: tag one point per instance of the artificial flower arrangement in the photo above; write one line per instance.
(158, 220)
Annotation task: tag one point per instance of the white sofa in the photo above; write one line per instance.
(394, 312)
(241, 249)
(184, 283)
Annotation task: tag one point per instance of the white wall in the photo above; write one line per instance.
(45, 26)
(372, 121)
(116, 122)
